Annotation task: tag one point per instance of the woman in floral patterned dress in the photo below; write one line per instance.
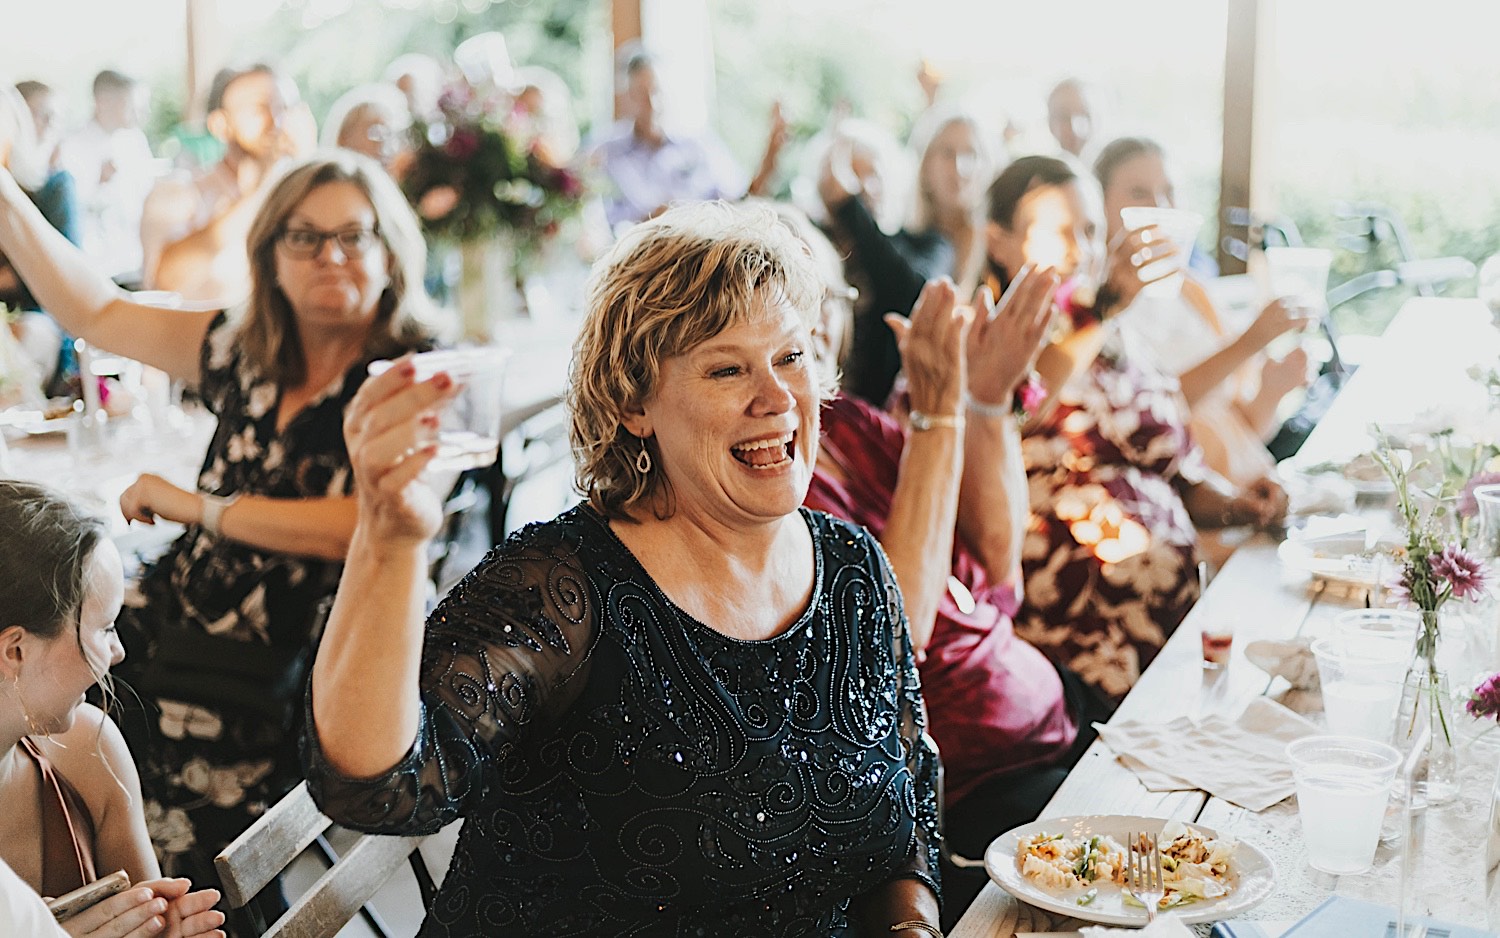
(1118, 489)
(337, 267)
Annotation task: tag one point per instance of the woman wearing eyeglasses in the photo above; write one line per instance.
(223, 635)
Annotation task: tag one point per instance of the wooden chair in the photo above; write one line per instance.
(293, 824)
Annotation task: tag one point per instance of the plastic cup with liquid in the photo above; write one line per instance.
(1361, 684)
(1343, 786)
(469, 429)
(1176, 225)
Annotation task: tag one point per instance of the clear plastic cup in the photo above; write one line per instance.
(1343, 785)
(1362, 682)
(1176, 225)
(1362, 626)
(1300, 273)
(469, 431)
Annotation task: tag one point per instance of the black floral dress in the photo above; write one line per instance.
(624, 769)
(208, 772)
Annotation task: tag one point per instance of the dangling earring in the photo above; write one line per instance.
(643, 459)
(32, 727)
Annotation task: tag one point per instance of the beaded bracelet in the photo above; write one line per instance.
(919, 926)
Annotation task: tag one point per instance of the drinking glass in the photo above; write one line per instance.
(1487, 542)
(1362, 683)
(1343, 785)
(469, 429)
(1175, 225)
(1361, 626)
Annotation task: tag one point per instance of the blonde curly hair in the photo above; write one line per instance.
(668, 285)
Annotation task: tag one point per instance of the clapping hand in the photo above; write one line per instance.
(932, 349)
(391, 430)
(1005, 340)
(161, 907)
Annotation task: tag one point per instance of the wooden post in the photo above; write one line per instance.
(205, 56)
(1244, 182)
(625, 25)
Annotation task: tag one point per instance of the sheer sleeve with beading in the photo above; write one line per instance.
(504, 655)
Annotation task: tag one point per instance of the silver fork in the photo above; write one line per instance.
(1143, 874)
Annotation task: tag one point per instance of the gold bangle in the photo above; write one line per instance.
(921, 421)
(919, 926)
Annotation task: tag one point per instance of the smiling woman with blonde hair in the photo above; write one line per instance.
(686, 706)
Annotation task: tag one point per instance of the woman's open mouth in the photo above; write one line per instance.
(768, 452)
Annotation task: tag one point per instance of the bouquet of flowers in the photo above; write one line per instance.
(1432, 572)
(470, 179)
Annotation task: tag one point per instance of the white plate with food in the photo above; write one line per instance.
(1076, 867)
(1349, 557)
(1362, 473)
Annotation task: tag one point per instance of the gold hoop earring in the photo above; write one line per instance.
(643, 459)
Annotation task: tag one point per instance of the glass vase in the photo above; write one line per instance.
(1492, 858)
(1427, 699)
(487, 290)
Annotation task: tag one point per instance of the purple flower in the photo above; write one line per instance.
(1463, 571)
(1486, 699)
(1468, 505)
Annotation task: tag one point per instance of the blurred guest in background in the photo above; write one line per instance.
(1232, 389)
(941, 239)
(112, 170)
(1117, 486)
(420, 79)
(193, 228)
(372, 120)
(648, 168)
(1073, 116)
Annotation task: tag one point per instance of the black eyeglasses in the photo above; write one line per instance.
(307, 243)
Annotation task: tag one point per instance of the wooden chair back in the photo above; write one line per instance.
(269, 845)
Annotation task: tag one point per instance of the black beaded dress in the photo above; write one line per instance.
(624, 769)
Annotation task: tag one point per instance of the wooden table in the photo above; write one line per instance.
(1419, 363)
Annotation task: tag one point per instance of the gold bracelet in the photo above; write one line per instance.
(921, 421)
(919, 926)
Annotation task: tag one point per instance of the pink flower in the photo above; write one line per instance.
(1468, 505)
(437, 202)
(1030, 395)
(1486, 699)
(463, 144)
(1463, 571)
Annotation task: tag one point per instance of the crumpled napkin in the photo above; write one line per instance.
(1243, 762)
(1165, 926)
(1292, 659)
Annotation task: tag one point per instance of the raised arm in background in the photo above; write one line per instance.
(1003, 345)
(85, 302)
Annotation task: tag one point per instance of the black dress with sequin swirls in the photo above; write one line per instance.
(623, 769)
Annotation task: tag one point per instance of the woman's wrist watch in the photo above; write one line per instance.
(214, 507)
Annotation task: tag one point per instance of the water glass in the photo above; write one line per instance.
(1362, 683)
(1343, 785)
(1175, 225)
(469, 429)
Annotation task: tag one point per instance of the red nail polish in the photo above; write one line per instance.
(444, 381)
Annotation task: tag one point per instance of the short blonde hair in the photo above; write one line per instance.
(404, 317)
(668, 285)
